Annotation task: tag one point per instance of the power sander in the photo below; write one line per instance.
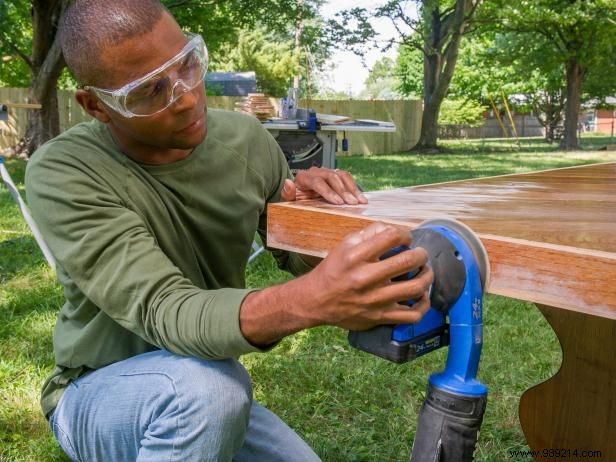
(452, 412)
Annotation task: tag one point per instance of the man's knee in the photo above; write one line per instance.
(221, 388)
(210, 401)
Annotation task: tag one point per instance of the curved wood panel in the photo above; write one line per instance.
(575, 409)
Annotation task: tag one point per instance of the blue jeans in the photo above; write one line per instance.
(163, 407)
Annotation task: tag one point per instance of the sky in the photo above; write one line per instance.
(349, 73)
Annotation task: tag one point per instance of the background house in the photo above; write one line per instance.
(601, 120)
(231, 83)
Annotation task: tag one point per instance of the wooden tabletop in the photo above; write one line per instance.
(550, 235)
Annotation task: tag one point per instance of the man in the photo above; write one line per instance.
(150, 211)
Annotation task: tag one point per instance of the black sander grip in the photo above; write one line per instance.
(448, 427)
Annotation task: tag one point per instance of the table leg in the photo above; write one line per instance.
(575, 409)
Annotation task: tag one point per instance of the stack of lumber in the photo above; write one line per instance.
(256, 104)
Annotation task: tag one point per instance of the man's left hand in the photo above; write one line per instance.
(335, 186)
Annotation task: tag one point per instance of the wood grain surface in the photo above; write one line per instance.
(550, 236)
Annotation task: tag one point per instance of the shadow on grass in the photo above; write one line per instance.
(509, 145)
(496, 146)
(18, 255)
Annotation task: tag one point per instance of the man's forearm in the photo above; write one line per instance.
(270, 314)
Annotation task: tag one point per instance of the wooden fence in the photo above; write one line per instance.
(526, 125)
(406, 114)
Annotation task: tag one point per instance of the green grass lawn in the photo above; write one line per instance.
(348, 405)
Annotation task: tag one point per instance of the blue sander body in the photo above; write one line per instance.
(455, 402)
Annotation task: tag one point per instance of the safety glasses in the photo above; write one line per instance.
(160, 88)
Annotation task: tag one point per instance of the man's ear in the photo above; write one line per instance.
(92, 105)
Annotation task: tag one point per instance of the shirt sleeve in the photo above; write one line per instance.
(108, 257)
(287, 261)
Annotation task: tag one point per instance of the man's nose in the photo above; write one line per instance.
(183, 96)
(179, 88)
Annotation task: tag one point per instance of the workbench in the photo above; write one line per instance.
(304, 148)
(551, 240)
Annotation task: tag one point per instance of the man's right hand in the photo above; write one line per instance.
(353, 287)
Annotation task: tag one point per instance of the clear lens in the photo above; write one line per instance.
(163, 88)
(149, 97)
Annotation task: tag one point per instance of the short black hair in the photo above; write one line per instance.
(88, 26)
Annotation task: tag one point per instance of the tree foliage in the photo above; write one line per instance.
(382, 69)
(382, 81)
(461, 112)
(223, 23)
(275, 62)
(14, 70)
(409, 70)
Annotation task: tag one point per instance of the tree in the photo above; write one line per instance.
(382, 69)
(461, 112)
(436, 32)
(382, 82)
(573, 32)
(409, 70)
(523, 70)
(274, 61)
(31, 38)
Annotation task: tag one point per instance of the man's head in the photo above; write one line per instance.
(113, 45)
(90, 26)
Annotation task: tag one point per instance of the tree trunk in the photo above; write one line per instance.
(43, 124)
(548, 110)
(46, 64)
(552, 118)
(441, 45)
(429, 128)
(299, 27)
(431, 107)
(575, 73)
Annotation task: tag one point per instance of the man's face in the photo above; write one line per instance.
(183, 124)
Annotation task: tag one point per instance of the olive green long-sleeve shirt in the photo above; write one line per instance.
(152, 256)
